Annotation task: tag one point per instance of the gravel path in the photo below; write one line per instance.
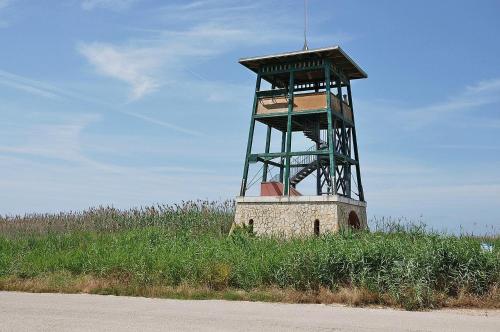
(82, 312)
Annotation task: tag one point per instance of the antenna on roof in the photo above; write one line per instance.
(305, 47)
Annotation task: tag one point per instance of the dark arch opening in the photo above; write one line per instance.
(354, 220)
(250, 225)
(316, 227)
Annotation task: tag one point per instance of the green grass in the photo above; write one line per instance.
(188, 246)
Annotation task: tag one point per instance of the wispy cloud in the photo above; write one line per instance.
(134, 66)
(475, 147)
(43, 89)
(164, 124)
(146, 65)
(46, 90)
(107, 4)
(203, 30)
(215, 10)
(55, 140)
(28, 85)
(486, 86)
(464, 105)
(60, 139)
(4, 4)
(255, 17)
(483, 93)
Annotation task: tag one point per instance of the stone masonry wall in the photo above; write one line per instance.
(295, 216)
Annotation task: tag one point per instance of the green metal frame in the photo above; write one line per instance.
(288, 135)
(266, 162)
(331, 140)
(283, 147)
(346, 173)
(250, 138)
(355, 147)
(340, 161)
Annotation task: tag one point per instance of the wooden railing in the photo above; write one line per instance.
(301, 103)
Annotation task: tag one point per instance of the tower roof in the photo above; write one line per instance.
(338, 57)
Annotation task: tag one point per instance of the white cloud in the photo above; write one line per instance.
(164, 124)
(134, 66)
(42, 88)
(107, 4)
(55, 140)
(49, 91)
(3, 5)
(204, 29)
(459, 106)
(475, 147)
(147, 64)
(36, 87)
(486, 86)
(479, 94)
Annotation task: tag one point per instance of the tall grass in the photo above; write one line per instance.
(189, 216)
(189, 245)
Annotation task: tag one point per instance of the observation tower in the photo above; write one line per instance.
(308, 105)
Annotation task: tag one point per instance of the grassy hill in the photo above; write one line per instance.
(184, 251)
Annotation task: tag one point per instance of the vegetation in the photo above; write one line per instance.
(185, 251)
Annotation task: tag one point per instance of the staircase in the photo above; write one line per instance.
(314, 134)
(309, 162)
(298, 174)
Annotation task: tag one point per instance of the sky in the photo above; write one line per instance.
(136, 102)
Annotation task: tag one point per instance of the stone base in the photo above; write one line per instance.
(291, 216)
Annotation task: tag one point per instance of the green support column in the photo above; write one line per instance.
(282, 160)
(288, 135)
(347, 167)
(355, 143)
(268, 143)
(250, 138)
(318, 160)
(331, 141)
(342, 129)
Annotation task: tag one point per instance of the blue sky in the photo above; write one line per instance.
(133, 102)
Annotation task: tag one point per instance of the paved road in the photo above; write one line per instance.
(80, 312)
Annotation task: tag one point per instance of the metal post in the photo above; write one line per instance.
(318, 159)
(347, 167)
(250, 138)
(331, 141)
(355, 145)
(282, 160)
(268, 143)
(288, 135)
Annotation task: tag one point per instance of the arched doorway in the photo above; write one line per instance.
(353, 221)
(250, 225)
(316, 227)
